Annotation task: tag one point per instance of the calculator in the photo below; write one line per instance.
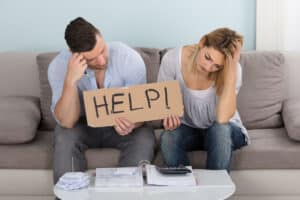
(174, 170)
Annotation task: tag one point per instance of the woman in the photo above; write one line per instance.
(210, 77)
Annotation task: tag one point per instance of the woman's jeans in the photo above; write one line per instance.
(219, 140)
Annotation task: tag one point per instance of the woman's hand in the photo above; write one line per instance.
(171, 122)
(227, 102)
(237, 52)
(231, 72)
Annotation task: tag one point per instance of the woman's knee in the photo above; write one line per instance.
(220, 134)
(170, 139)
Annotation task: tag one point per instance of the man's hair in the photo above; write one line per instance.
(80, 35)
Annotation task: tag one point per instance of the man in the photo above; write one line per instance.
(91, 64)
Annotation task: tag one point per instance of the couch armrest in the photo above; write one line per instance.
(291, 118)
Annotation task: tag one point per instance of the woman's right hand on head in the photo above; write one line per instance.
(171, 122)
(76, 68)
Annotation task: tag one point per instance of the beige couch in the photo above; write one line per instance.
(269, 168)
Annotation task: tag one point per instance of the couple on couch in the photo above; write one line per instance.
(209, 75)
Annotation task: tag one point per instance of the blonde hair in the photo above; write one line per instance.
(223, 40)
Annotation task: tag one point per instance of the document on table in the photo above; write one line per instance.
(133, 177)
(118, 177)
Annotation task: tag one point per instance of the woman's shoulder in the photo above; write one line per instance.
(171, 54)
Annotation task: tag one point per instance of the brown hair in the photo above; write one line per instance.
(80, 35)
(225, 41)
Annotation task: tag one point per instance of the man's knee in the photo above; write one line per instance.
(144, 136)
(67, 138)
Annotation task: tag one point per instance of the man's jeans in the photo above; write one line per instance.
(71, 144)
(219, 141)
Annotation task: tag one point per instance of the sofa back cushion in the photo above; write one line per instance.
(43, 60)
(262, 93)
(150, 56)
(19, 119)
(18, 74)
(291, 106)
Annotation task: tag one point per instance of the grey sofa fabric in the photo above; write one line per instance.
(43, 61)
(292, 75)
(151, 59)
(291, 117)
(18, 74)
(262, 93)
(19, 119)
(34, 155)
(269, 149)
(291, 106)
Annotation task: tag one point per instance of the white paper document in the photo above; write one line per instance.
(133, 177)
(118, 177)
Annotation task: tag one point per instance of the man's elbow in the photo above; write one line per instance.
(65, 123)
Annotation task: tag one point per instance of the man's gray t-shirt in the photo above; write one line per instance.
(125, 67)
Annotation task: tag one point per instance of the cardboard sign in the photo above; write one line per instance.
(136, 103)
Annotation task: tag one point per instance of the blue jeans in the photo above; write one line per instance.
(219, 140)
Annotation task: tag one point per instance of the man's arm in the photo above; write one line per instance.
(67, 108)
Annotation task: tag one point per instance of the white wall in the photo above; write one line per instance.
(37, 25)
(278, 25)
(292, 26)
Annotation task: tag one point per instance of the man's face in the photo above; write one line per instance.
(97, 58)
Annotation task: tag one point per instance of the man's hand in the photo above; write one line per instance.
(76, 67)
(171, 122)
(124, 126)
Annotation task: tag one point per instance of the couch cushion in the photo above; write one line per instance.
(151, 58)
(18, 74)
(38, 154)
(43, 61)
(262, 93)
(269, 149)
(292, 73)
(19, 119)
(34, 155)
(291, 117)
(291, 106)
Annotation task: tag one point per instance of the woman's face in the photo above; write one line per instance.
(209, 60)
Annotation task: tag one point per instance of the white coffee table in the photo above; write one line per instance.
(211, 185)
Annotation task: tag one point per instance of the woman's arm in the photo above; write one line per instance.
(227, 101)
(167, 72)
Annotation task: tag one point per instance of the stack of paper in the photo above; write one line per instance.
(115, 177)
(73, 181)
(154, 177)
